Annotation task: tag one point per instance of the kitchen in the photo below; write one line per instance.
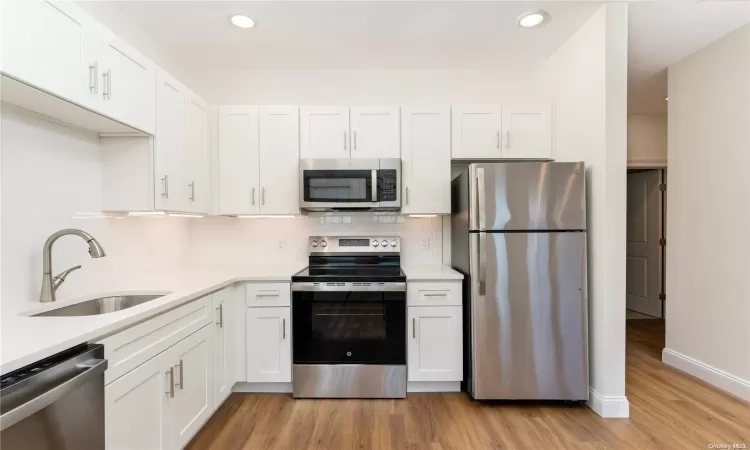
(207, 205)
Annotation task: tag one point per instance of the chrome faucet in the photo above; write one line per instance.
(50, 284)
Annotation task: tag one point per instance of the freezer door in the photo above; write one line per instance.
(529, 319)
(528, 196)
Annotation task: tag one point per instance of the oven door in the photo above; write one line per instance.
(348, 327)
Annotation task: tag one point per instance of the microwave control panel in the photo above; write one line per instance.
(387, 185)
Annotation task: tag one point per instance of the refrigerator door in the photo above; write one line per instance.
(527, 196)
(529, 316)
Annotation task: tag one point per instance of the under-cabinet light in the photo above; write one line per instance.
(197, 216)
(146, 213)
(423, 215)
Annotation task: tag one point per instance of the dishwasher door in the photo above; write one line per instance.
(57, 403)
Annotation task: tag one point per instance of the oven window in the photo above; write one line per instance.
(337, 186)
(349, 327)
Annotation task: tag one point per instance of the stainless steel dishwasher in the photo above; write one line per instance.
(56, 403)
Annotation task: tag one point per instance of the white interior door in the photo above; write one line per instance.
(324, 132)
(375, 132)
(644, 265)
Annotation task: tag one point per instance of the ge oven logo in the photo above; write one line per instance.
(348, 353)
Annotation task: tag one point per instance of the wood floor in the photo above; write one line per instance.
(668, 409)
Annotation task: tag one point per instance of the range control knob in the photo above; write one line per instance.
(324, 244)
(384, 243)
(375, 243)
(314, 244)
(393, 243)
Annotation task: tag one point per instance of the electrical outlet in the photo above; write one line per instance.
(280, 244)
(425, 243)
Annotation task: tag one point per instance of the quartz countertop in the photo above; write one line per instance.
(430, 272)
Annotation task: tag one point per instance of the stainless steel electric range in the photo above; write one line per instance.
(349, 319)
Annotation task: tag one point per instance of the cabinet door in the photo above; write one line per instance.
(170, 108)
(193, 373)
(127, 80)
(195, 156)
(435, 343)
(476, 131)
(43, 46)
(224, 344)
(136, 407)
(269, 356)
(279, 159)
(239, 182)
(324, 132)
(426, 160)
(527, 132)
(375, 132)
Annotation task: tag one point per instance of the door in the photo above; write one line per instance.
(324, 132)
(527, 132)
(224, 344)
(239, 182)
(170, 109)
(269, 357)
(195, 156)
(137, 407)
(43, 46)
(193, 372)
(279, 159)
(435, 343)
(644, 260)
(528, 316)
(426, 160)
(476, 131)
(527, 196)
(375, 132)
(126, 84)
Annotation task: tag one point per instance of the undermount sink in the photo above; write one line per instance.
(102, 305)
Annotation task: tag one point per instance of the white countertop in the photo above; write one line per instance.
(25, 339)
(430, 272)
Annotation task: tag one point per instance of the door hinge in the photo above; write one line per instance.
(662, 242)
(663, 187)
(662, 296)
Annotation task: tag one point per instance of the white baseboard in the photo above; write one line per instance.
(722, 380)
(281, 388)
(433, 386)
(610, 406)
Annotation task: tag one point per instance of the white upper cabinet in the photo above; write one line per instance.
(375, 132)
(435, 348)
(43, 46)
(279, 159)
(239, 181)
(426, 160)
(527, 132)
(170, 110)
(269, 356)
(476, 131)
(324, 132)
(194, 157)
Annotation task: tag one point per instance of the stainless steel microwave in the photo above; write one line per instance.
(350, 184)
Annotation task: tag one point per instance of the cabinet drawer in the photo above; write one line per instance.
(267, 294)
(133, 346)
(434, 293)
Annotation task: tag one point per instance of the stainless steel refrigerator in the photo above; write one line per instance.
(519, 237)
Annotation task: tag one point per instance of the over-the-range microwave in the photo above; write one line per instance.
(350, 184)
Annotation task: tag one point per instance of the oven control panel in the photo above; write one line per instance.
(354, 244)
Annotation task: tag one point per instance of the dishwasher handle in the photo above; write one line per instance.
(91, 368)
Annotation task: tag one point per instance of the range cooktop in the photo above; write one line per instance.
(351, 273)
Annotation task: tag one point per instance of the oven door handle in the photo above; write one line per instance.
(92, 368)
(349, 287)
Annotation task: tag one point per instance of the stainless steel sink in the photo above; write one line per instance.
(102, 305)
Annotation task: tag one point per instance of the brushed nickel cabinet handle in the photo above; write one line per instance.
(182, 376)
(94, 77)
(507, 139)
(407, 195)
(442, 294)
(344, 140)
(414, 328)
(107, 77)
(170, 374)
(497, 146)
(355, 139)
(192, 192)
(253, 196)
(263, 196)
(283, 328)
(220, 310)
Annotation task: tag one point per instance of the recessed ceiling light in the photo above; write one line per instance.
(242, 21)
(532, 19)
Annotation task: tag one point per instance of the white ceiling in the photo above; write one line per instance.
(343, 34)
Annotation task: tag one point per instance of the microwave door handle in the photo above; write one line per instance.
(374, 192)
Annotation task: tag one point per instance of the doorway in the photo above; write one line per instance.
(645, 289)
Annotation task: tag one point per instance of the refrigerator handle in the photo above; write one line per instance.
(480, 198)
(482, 263)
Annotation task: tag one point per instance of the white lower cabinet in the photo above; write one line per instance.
(435, 348)
(269, 349)
(224, 344)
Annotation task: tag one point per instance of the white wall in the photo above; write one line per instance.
(647, 140)
(588, 78)
(708, 214)
(49, 174)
